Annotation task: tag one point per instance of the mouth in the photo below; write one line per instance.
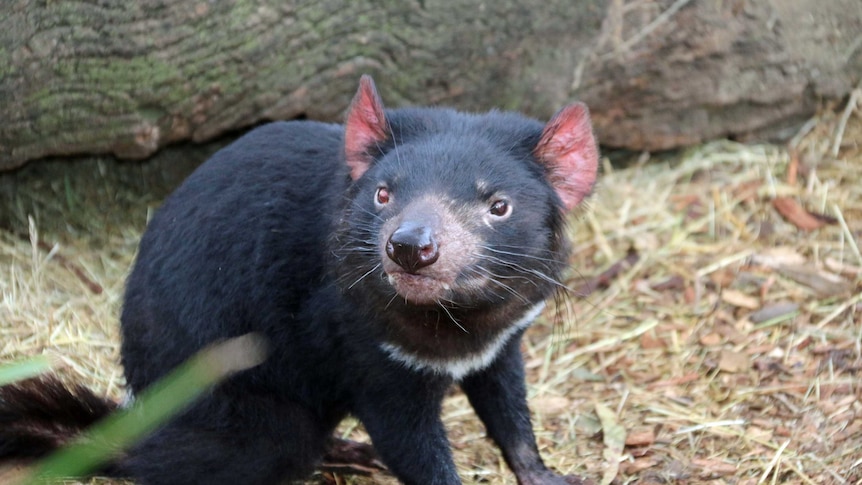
(418, 289)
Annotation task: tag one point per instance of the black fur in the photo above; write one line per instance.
(273, 236)
(39, 415)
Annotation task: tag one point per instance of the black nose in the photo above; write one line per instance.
(412, 246)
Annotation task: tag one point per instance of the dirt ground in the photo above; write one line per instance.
(712, 332)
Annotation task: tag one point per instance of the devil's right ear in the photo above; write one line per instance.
(365, 127)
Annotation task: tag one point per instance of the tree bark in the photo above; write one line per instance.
(739, 69)
(112, 76)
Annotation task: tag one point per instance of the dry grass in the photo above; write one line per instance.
(729, 352)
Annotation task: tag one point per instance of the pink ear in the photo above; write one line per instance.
(365, 127)
(569, 152)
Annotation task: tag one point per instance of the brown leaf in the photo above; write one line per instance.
(723, 277)
(731, 334)
(793, 167)
(733, 362)
(799, 217)
(689, 295)
(674, 283)
(641, 436)
(747, 191)
(605, 278)
(710, 340)
(681, 202)
(650, 341)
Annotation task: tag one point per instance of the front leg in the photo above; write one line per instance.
(401, 412)
(499, 396)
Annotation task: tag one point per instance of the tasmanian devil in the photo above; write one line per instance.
(383, 260)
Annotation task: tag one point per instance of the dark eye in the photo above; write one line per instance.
(500, 208)
(381, 198)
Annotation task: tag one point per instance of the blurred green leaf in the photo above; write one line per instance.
(26, 369)
(152, 408)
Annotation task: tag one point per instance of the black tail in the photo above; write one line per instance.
(39, 415)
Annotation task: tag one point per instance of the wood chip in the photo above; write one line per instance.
(638, 465)
(773, 310)
(740, 299)
(714, 467)
(821, 282)
(778, 256)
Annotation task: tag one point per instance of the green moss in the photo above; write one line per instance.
(240, 13)
(7, 68)
(122, 74)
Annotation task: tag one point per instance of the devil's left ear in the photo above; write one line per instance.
(569, 152)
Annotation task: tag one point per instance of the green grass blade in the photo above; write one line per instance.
(152, 408)
(25, 369)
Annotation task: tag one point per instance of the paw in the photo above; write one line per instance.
(576, 480)
(548, 477)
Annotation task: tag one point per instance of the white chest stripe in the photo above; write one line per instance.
(460, 367)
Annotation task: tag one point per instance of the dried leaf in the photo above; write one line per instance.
(681, 202)
(614, 437)
(642, 436)
(799, 217)
(723, 277)
(793, 167)
(588, 425)
(733, 362)
(674, 283)
(651, 341)
(731, 334)
(689, 295)
(747, 191)
(710, 340)
(609, 275)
